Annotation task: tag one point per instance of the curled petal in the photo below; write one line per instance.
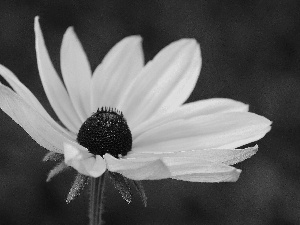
(138, 169)
(181, 168)
(84, 162)
(198, 170)
(116, 72)
(95, 166)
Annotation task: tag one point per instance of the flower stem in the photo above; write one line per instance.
(96, 199)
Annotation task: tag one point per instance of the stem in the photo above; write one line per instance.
(96, 199)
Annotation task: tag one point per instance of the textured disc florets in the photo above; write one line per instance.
(106, 131)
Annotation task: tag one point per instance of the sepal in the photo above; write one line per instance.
(60, 167)
(53, 156)
(78, 185)
(141, 191)
(122, 184)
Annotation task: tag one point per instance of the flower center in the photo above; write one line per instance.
(106, 131)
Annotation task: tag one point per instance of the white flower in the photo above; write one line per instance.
(192, 142)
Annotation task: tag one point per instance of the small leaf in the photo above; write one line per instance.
(141, 191)
(53, 156)
(56, 170)
(122, 184)
(78, 185)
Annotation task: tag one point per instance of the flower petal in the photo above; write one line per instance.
(181, 168)
(138, 169)
(95, 166)
(222, 130)
(76, 73)
(198, 170)
(225, 156)
(53, 86)
(190, 110)
(165, 82)
(117, 70)
(28, 97)
(42, 131)
(84, 162)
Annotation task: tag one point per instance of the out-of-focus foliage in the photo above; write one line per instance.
(251, 53)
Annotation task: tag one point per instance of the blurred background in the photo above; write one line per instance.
(251, 53)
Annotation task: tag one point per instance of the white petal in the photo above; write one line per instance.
(42, 131)
(74, 157)
(95, 167)
(209, 131)
(28, 97)
(138, 169)
(76, 73)
(116, 72)
(198, 170)
(260, 134)
(84, 162)
(54, 89)
(181, 168)
(165, 82)
(225, 156)
(190, 110)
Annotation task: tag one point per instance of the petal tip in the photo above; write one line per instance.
(36, 19)
(133, 40)
(135, 37)
(236, 175)
(37, 27)
(190, 42)
(69, 34)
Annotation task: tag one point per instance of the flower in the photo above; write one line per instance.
(194, 142)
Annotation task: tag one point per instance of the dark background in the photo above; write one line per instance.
(251, 53)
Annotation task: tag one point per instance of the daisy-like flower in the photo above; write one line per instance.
(130, 118)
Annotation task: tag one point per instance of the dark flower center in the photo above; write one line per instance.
(106, 131)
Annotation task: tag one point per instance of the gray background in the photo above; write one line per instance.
(251, 53)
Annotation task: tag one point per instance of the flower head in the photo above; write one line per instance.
(130, 118)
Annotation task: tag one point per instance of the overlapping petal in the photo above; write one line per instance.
(190, 110)
(182, 168)
(84, 162)
(164, 83)
(28, 97)
(198, 170)
(53, 86)
(209, 131)
(76, 73)
(193, 142)
(216, 155)
(116, 72)
(42, 131)
(138, 169)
